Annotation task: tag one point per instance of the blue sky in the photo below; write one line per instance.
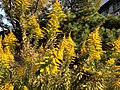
(4, 19)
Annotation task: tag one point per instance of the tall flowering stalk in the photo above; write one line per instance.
(31, 25)
(22, 5)
(94, 45)
(56, 16)
(116, 47)
(7, 56)
(55, 57)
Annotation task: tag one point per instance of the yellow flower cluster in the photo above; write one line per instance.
(117, 83)
(111, 61)
(57, 10)
(94, 45)
(9, 39)
(33, 26)
(7, 86)
(22, 4)
(20, 71)
(56, 55)
(51, 63)
(53, 24)
(6, 57)
(68, 45)
(75, 67)
(25, 88)
(116, 46)
(56, 16)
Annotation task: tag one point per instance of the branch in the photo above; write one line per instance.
(36, 6)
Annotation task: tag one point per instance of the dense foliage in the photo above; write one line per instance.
(58, 45)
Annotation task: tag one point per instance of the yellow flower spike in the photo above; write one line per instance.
(117, 73)
(7, 86)
(56, 16)
(116, 46)
(6, 57)
(9, 39)
(70, 40)
(32, 24)
(22, 3)
(46, 60)
(55, 52)
(117, 67)
(94, 45)
(117, 83)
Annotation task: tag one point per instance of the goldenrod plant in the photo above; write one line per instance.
(50, 48)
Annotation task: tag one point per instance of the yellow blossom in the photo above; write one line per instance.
(56, 16)
(58, 53)
(25, 88)
(75, 67)
(85, 69)
(117, 73)
(99, 73)
(117, 83)
(116, 46)
(47, 69)
(67, 44)
(111, 61)
(32, 25)
(24, 4)
(41, 70)
(9, 39)
(41, 49)
(108, 72)
(54, 69)
(27, 58)
(7, 86)
(58, 11)
(20, 71)
(6, 57)
(42, 62)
